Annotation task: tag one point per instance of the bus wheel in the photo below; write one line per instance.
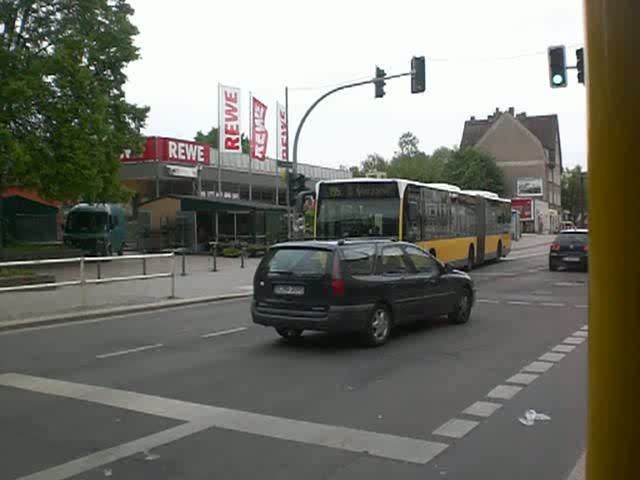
(471, 258)
(499, 253)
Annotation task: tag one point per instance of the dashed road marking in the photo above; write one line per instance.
(223, 332)
(581, 333)
(564, 348)
(131, 350)
(505, 392)
(581, 306)
(586, 327)
(517, 302)
(574, 340)
(538, 367)
(486, 300)
(482, 409)
(523, 378)
(551, 304)
(551, 357)
(455, 428)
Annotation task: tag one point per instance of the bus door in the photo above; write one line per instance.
(481, 227)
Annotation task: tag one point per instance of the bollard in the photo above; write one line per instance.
(83, 283)
(173, 275)
(242, 253)
(184, 268)
(214, 262)
(144, 266)
(99, 268)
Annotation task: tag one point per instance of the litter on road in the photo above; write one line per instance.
(531, 416)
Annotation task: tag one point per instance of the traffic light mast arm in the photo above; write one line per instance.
(322, 97)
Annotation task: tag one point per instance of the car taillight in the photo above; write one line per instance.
(337, 282)
(586, 248)
(555, 247)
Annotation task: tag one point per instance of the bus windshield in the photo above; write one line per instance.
(357, 217)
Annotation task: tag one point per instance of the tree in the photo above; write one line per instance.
(212, 139)
(373, 163)
(473, 169)
(574, 192)
(64, 119)
(408, 144)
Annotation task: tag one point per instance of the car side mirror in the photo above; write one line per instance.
(447, 268)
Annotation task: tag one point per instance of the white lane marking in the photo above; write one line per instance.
(516, 302)
(586, 327)
(564, 348)
(223, 332)
(574, 340)
(103, 457)
(579, 472)
(353, 440)
(551, 357)
(486, 300)
(543, 292)
(552, 304)
(538, 367)
(523, 378)
(505, 392)
(580, 333)
(72, 323)
(131, 350)
(482, 409)
(522, 257)
(245, 287)
(581, 306)
(494, 274)
(568, 284)
(455, 428)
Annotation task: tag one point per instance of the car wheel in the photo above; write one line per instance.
(462, 311)
(471, 258)
(378, 327)
(289, 333)
(553, 266)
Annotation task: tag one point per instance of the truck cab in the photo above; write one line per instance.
(97, 229)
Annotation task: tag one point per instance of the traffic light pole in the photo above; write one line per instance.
(322, 97)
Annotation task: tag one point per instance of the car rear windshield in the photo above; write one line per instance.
(299, 261)
(567, 238)
(358, 258)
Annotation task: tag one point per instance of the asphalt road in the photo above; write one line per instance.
(201, 393)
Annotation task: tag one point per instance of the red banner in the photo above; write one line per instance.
(171, 150)
(259, 134)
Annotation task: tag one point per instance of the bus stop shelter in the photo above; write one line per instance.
(195, 221)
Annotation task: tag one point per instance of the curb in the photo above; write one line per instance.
(110, 312)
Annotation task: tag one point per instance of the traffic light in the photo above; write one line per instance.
(418, 82)
(379, 82)
(557, 67)
(297, 184)
(580, 64)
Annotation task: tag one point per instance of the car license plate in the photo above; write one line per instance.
(288, 290)
(570, 259)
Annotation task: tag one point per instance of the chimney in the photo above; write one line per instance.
(512, 111)
(522, 115)
(473, 118)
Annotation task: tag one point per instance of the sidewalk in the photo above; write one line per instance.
(199, 282)
(531, 240)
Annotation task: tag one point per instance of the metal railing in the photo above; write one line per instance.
(84, 281)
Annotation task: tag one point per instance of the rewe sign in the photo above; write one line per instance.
(171, 150)
(229, 119)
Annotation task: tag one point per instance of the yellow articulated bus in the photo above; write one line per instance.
(461, 227)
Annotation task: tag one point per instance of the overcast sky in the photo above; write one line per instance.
(480, 55)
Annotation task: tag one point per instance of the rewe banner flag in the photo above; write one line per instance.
(259, 133)
(282, 132)
(229, 119)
